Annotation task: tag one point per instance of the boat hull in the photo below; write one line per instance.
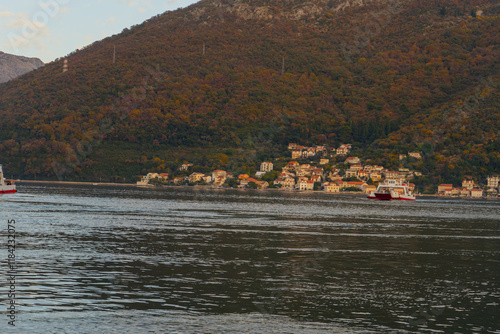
(8, 189)
(389, 197)
(407, 198)
(384, 197)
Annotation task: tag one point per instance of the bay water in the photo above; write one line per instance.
(104, 259)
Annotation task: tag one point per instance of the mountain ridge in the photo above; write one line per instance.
(12, 66)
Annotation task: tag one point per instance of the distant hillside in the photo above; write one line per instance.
(226, 83)
(13, 66)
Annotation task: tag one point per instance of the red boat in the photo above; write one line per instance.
(392, 190)
(6, 186)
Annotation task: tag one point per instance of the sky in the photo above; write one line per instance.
(50, 29)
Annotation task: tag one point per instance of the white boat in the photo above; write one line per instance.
(392, 190)
(6, 186)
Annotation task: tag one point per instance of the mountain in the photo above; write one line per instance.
(13, 66)
(227, 83)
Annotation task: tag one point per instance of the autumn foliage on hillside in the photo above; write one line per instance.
(388, 77)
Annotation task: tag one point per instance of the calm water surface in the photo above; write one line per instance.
(94, 259)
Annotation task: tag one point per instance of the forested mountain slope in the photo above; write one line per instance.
(245, 77)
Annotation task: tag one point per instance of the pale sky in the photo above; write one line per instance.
(50, 29)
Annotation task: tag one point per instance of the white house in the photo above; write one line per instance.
(266, 166)
(476, 193)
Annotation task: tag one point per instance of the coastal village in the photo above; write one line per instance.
(318, 174)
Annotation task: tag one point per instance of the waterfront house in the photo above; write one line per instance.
(369, 188)
(151, 176)
(289, 183)
(262, 184)
(163, 177)
(306, 185)
(245, 182)
(196, 177)
(179, 179)
(217, 173)
(219, 180)
(469, 184)
(476, 193)
(448, 192)
(355, 184)
(143, 181)
(443, 187)
(464, 191)
(493, 181)
(331, 187)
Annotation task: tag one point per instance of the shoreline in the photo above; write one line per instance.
(75, 183)
(207, 187)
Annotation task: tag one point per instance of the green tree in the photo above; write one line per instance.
(252, 185)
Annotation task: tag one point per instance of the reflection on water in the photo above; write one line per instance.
(114, 259)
